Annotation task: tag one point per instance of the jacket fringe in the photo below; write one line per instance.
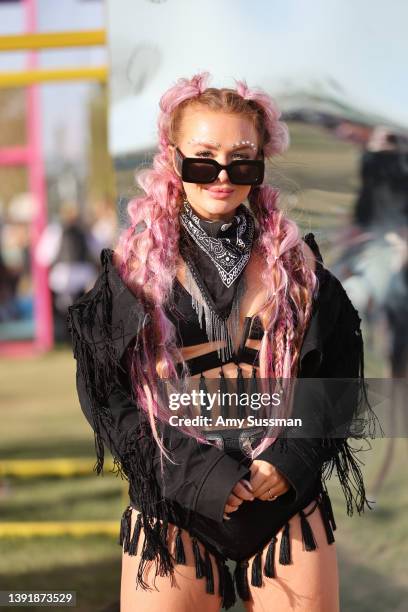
(269, 568)
(229, 588)
(99, 374)
(284, 551)
(309, 542)
(209, 577)
(99, 364)
(345, 460)
(256, 576)
(365, 424)
(203, 567)
(180, 553)
(328, 525)
(241, 579)
(226, 588)
(199, 563)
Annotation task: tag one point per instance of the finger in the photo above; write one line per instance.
(230, 509)
(257, 480)
(233, 500)
(246, 484)
(253, 468)
(275, 487)
(270, 484)
(266, 483)
(273, 492)
(242, 492)
(272, 496)
(267, 498)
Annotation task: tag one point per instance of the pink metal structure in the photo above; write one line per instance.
(32, 156)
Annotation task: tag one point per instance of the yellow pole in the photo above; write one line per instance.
(64, 467)
(29, 77)
(44, 40)
(29, 529)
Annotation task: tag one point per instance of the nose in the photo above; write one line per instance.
(223, 176)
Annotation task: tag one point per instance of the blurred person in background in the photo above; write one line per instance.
(8, 289)
(68, 248)
(374, 264)
(383, 198)
(104, 225)
(16, 300)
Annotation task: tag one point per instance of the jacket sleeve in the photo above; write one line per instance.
(335, 405)
(201, 477)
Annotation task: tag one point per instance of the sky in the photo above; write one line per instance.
(356, 50)
(361, 45)
(63, 104)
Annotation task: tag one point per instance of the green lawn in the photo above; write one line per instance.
(90, 566)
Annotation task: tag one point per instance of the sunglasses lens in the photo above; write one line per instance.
(198, 172)
(246, 174)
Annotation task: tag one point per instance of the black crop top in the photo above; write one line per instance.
(189, 333)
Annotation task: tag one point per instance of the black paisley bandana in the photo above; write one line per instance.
(227, 245)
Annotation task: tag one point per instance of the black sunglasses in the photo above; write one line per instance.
(201, 170)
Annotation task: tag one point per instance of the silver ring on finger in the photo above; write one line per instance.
(271, 497)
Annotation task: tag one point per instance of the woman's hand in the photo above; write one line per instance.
(240, 493)
(267, 481)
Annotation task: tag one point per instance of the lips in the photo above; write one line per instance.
(220, 193)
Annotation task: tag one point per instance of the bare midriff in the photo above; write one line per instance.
(229, 369)
(251, 303)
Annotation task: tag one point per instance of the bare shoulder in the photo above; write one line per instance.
(309, 255)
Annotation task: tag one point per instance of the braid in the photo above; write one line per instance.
(289, 282)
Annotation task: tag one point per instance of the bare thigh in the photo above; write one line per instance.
(309, 584)
(187, 594)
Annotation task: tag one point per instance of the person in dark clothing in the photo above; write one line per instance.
(374, 259)
(383, 198)
(203, 288)
(66, 247)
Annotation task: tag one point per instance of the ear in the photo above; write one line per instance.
(172, 152)
(170, 149)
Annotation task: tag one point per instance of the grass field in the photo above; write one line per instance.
(41, 418)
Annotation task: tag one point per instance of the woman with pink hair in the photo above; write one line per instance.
(203, 287)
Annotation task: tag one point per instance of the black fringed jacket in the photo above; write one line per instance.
(193, 493)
